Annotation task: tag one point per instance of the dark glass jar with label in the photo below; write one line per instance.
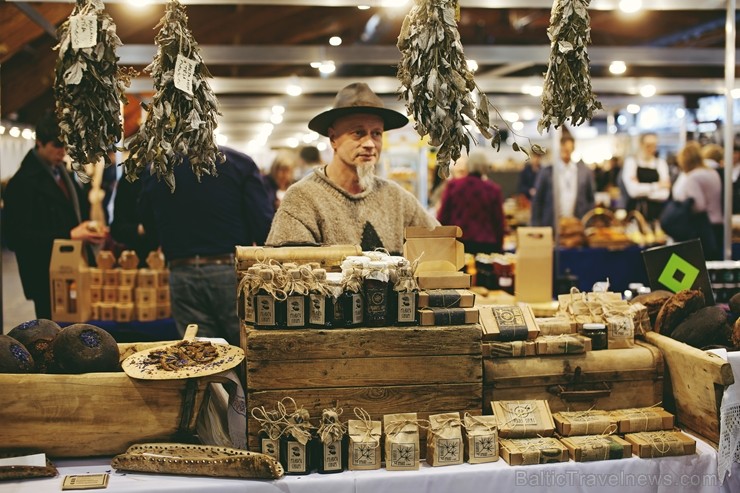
(320, 302)
(334, 286)
(331, 443)
(375, 287)
(598, 335)
(245, 308)
(291, 311)
(352, 299)
(264, 302)
(297, 444)
(403, 301)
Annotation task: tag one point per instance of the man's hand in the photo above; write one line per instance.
(89, 232)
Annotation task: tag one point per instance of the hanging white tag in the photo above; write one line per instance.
(84, 31)
(184, 73)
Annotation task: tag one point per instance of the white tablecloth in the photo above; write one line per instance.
(694, 473)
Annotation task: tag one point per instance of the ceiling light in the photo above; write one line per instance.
(310, 137)
(393, 3)
(510, 116)
(292, 142)
(647, 90)
(27, 134)
(528, 114)
(267, 128)
(630, 6)
(327, 67)
(617, 67)
(278, 109)
(15, 132)
(321, 146)
(622, 120)
(315, 64)
(276, 118)
(735, 93)
(535, 90)
(633, 108)
(363, 7)
(518, 126)
(2, 129)
(472, 65)
(335, 41)
(680, 113)
(294, 90)
(139, 3)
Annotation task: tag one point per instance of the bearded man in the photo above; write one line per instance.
(345, 202)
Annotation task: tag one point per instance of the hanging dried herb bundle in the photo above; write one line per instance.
(567, 92)
(181, 118)
(89, 86)
(437, 85)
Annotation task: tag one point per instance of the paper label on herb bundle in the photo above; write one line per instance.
(332, 456)
(84, 31)
(296, 457)
(406, 307)
(184, 74)
(296, 315)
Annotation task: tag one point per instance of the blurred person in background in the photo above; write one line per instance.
(457, 170)
(528, 176)
(476, 205)
(713, 155)
(280, 177)
(646, 179)
(309, 159)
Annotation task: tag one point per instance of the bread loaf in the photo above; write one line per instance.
(677, 308)
(37, 336)
(85, 348)
(14, 357)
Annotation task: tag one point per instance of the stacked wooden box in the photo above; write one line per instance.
(386, 370)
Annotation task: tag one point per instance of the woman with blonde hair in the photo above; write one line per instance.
(280, 177)
(703, 186)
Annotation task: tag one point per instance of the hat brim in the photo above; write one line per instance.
(391, 119)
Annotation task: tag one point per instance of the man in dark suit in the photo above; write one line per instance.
(42, 203)
(575, 182)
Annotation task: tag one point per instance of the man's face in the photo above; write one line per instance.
(566, 150)
(51, 152)
(649, 145)
(357, 139)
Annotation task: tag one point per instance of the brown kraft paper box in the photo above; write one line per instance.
(481, 439)
(440, 256)
(528, 451)
(533, 282)
(523, 419)
(555, 326)
(401, 442)
(446, 298)
(647, 445)
(642, 419)
(508, 322)
(448, 316)
(69, 282)
(444, 440)
(593, 448)
(510, 349)
(576, 423)
(364, 443)
(562, 344)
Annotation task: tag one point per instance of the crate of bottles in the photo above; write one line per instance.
(383, 370)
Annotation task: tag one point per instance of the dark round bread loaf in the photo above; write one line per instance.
(36, 336)
(677, 309)
(734, 303)
(14, 357)
(653, 301)
(85, 348)
(706, 326)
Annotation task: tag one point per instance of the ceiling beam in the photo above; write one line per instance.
(493, 4)
(142, 54)
(37, 18)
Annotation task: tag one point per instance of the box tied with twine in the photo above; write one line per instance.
(444, 440)
(364, 441)
(481, 439)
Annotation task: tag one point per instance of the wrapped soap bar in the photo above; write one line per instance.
(563, 344)
(640, 318)
(446, 298)
(574, 423)
(481, 439)
(444, 440)
(647, 445)
(528, 451)
(448, 316)
(620, 329)
(642, 419)
(401, 442)
(508, 349)
(508, 323)
(593, 448)
(555, 326)
(523, 419)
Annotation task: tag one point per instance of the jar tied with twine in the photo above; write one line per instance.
(332, 444)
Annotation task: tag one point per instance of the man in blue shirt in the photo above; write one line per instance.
(199, 226)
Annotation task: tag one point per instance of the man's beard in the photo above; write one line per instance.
(366, 174)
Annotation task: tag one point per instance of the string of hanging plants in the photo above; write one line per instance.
(89, 86)
(181, 118)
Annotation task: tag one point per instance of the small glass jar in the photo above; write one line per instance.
(375, 288)
(264, 302)
(598, 335)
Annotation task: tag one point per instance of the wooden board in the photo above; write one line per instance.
(697, 382)
(634, 377)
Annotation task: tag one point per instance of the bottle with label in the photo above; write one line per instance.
(352, 300)
(264, 301)
(332, 444)
(245, 302)
(404, 298)
(271, 428)
(291, 312)
(335, 288)
(375, 287)
(296, 443)
(320, 302)
(503, 269)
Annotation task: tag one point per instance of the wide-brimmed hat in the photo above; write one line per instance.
(356, 98)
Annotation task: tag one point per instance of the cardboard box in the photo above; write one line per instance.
(163, 277)
(105, 260)
(127, 277)
(593, 448)
(163, 311)
(642, 419)
(448, 316)
(579, 423)
(111, 277)
(146, 313)
(110, 294)
(124, 312)
(446, 298)
(163, 294)
(147, 278)
(528, 451)
(508, 322)
(481, 439)
(96, 276)
(95, 311)
(534, 272)
(145, 296)
(107, 311)
(440, 256)
(554, 326)
(125, 294)
(69, 282)
(647, 445)
(96, 295)
(523, 419)
(128, 260)
(563, 344)
(508, 349)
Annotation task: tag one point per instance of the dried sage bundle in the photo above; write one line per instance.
(89, 86)
(567, 92)
(181, 118)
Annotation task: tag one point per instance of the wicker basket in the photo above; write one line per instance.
(603, 230)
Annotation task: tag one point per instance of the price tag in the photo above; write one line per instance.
(184, 73)
(85, 481)
(84, 31)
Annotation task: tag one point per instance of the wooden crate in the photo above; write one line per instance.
(96, 413)
(696, 383)
(387, 370)
(607, 379)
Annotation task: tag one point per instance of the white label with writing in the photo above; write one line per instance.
(271, 447)
(448, 450)
(333, 456)
(406, 307)
(84, 31)
(358, 309)
(485, 446)
(403, 455)
(249, 308)
(318, 309)
(265, 310)
(184, 73)
(364, 454)
(296, 314)
(296, 457)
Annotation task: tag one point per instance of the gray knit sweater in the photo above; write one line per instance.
(315, 211)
